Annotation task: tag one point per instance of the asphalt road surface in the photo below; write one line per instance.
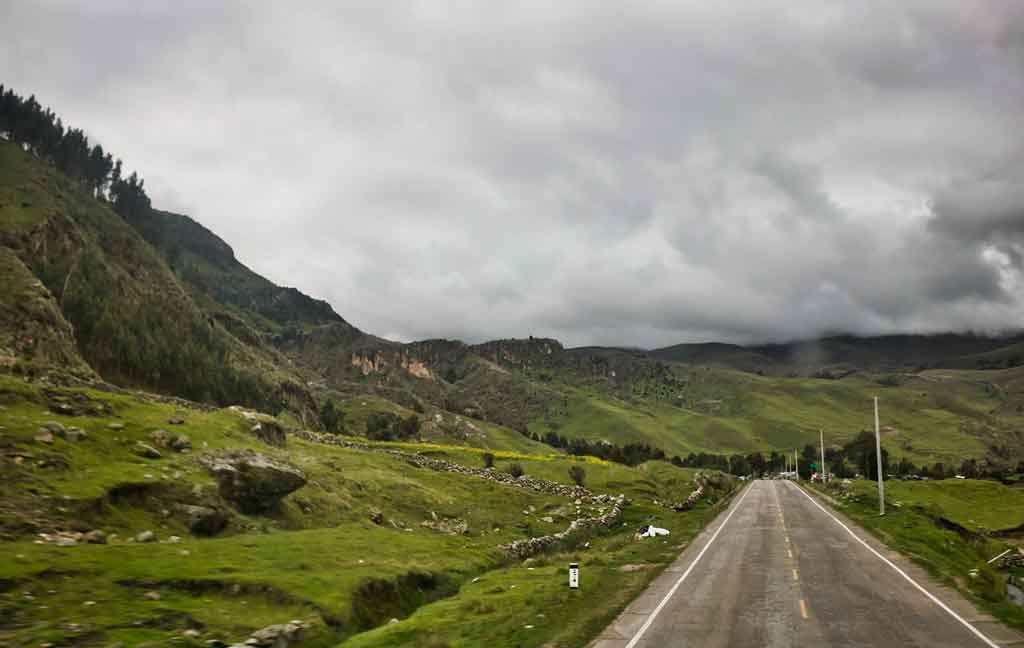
(780, 568)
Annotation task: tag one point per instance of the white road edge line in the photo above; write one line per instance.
(902, 573)
(650, 618)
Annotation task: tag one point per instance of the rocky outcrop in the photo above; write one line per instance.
(263, 427)
(254, 482)
(202, 520)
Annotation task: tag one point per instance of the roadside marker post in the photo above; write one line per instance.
(878, 457)
(824, 475)
(574, 575)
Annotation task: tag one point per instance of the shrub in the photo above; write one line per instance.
(516, 470)
(577, 474)
(488, 460)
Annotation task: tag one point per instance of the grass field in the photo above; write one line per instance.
(318, 557)
(924, 418)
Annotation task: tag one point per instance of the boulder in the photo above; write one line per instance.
(202, 520)
(177, 419)
(53, 427)
(160, 438)
(75, 434)
(44, 436)
(254, 482)
(145, 536)
(95, 537)
(181, 443)
(268, 431)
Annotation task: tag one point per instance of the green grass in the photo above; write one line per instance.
(318, 557)
(723, 411)
(980, 506)
(913, 528)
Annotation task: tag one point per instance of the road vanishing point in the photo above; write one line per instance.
(779, 568)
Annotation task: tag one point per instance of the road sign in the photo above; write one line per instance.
(574, 575)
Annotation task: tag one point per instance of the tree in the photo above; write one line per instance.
(516, 470)
(331, 418)
(488, 460)
(577, 474)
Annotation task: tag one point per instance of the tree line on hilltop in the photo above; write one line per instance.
(42, 133)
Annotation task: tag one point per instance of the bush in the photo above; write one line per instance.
(488, 460)
(577, 474)
(516, 470)
(387, 426)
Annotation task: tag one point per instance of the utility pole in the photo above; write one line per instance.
(878, 456)
(822, 469)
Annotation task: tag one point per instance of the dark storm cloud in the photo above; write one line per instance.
(591, 171)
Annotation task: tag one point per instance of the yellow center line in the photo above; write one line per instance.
(803, 609)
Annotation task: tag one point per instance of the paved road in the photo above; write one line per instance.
(783, 571)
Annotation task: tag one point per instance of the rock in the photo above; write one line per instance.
(277, 636)
(54, 428)
(145, 536)
(75, 434)
(251, 480)
(63, 409)
(152, 596)
(44, 436)
(146, 451)
(265, 428)
(202, 520)
(177, 419)
(392, 621)
(377, 517)
(548, 519)
(191, 633)
(65, 542)
(181, 443)
(174, 539)
(95, 537)
(160, 438)
(116, 426)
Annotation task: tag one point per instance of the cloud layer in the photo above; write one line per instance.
(588, 171)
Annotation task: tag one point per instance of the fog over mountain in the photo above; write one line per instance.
(574, 169)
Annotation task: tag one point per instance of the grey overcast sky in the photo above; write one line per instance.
(604, 173)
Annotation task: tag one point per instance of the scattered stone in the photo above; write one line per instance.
(251, 480)
(147, 451)
(377, 517)
(177, 419)
(116, 426)
(191, 633)
(548, 519)
(160, 438)
(44, 436)
(152, 596)
(75, 434)
(181, 443)
(392, 621)
(174, 539)
(54, 428)
(145, 536)
(277, 636)
(95, 537)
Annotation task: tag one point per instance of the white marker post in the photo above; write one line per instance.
(796, 464)
(821, 468)
(878, 456)
(574, 575)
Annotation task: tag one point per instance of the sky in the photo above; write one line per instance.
(637, 174)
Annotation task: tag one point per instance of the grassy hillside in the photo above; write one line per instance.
(318, 556)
